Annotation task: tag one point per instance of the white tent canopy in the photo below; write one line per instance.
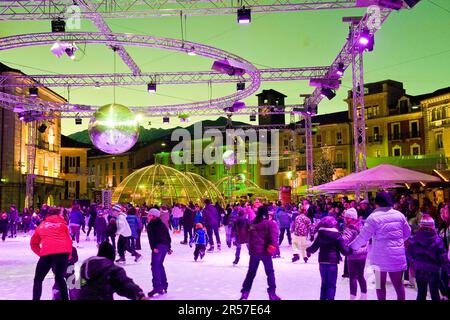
(381, 176)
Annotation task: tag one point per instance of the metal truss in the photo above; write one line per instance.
(127, 79)
(121, 9)
(309, 152)
(26, 40)
(103, 27)
(31, 159)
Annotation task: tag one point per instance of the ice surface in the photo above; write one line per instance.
(214, 277)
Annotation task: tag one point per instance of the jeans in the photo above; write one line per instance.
(175, 223)
(228, 235)
(101, 237)
(13, 229)
(123, 245)
(75, 232)
(187, 231)
(210, 230)
(26, 227)
(238, 249)
(328, 274)
(57, 262)
(159, 280)
(251, 273)
(356, 275)
(113, 241)
(288, 233)
(425, 278)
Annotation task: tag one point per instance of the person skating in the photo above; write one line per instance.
(124, 233)
(284, 223)
(101, 278)
(330, 244)
(427, 256)
(356, 261)
(76, 220)
(111, 230)
(52, 243)
(135, 226)
(301, 230)
(26, 221)
(200, 239)
(188, 222)
(160, 244)
(211, 223)
(92, 215)
(4, 225)
(13, 218)
(100, 227)
(388, 230)
(177, 215)
(240, 234)
(263, 241)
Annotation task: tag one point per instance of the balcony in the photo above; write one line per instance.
(405, 135)
(397, 136)
(434, 124)
(47, 180)
(375, 139)
(413, 135)
(46, 146)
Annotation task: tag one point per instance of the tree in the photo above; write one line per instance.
(323, 170)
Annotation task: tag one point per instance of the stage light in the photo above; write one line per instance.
(42, 128)
(71, 52)
(225, 67)
(253, 117)
(327, 93)
(366, 40)
(78, 121)
(60, 48)
(325, 83)
(411, 3)
(22, 116)
(166, 119)
(58, 25)
(240, 86)
(244, 16)
(33, 91)
(191, 51)
(151, 87)
(391, 4)
(340, 69)
(235, 107)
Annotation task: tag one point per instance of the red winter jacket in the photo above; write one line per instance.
(51, 237)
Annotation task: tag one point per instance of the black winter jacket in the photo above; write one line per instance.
(331, 244)
(158, 233)
(101, 278)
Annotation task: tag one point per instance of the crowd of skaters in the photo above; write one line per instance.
(401, 239)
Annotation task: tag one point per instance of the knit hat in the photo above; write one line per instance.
(154, 212)
(426, 222)
(117, 207)
(351, 213)
(198, 226)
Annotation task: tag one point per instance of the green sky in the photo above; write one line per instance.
(413, 46)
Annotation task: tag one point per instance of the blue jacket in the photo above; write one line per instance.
(76, 217)
(198, 217)
(135, 225)
(200, 237)
(426, 251)
(283, 218)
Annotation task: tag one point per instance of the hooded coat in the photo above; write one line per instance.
(101, 278)
(331, 245)
(426, 251)
(260, 236)
(51, 237)
(388, 230)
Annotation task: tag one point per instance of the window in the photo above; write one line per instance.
(319, 140)
(121, 165)
(404, 106)
(339, 137)
(212, 170)
(339, 157)
(114, 183)
(376, 133)
(395, 131)
(378, 153)
(414, 129)
(286, 142)
(120, 179)
(114, 167)
(439, 141)
(107, 168)
(397, 151)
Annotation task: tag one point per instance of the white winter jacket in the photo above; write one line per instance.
(389, 230)
(123, 228)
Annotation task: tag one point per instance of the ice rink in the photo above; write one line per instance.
(213, 278)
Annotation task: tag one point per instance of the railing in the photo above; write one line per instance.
(398, 136)
(47, 146)
(376, 138)
(405, 135)
(48, 180)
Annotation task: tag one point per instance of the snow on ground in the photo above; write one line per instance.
(213, 278)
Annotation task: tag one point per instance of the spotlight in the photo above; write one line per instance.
(340, 69)
(58, 25)
(70, 52)
(325, 83)
(78, 121)
(240, 86)
(191, 51)
(235, 107)
(166, 119)
(151, 87)
(327, 93)
(244, 16)
(42, 128)
(253, 117)
(33, 91)
(22, 116)
(59, 48)
(366, 40)
(224, 66)
(391, 4)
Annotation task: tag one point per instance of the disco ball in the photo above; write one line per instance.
(114, 129)
(229, 158)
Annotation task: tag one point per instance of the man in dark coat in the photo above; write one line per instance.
(13, 217)
(188, 222)
(211, 222)
(160, 243)
(101, 278)
(263, 242)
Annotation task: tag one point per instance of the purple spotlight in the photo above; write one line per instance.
(151, 87)
(244, 16)
(340, 69)
(363, 40)
(366, 40)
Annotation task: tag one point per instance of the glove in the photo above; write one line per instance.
(169, 252)
(271, 249)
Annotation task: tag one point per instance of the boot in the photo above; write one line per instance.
(236, 261)
(138, 257)
(219, 247)
(305, 259)
(296, 257)
(244, 296)
(120, 260)
(273, 296)
(211, 249)
(183, 242)
(352, 297)
(363, 296)
(155, 292)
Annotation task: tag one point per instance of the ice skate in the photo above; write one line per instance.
(296, 257)
(211, 249)
(352, 297)
(273, 296)
(183, 242)
(236, 261)
(219, 247)
(202, 254)
(305, 259)
(244, 296)
(138, 257)
(155, 292)
(121, 260)
(363, 296)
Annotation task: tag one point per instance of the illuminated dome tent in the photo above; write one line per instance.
(233, 183)
(158, 184)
